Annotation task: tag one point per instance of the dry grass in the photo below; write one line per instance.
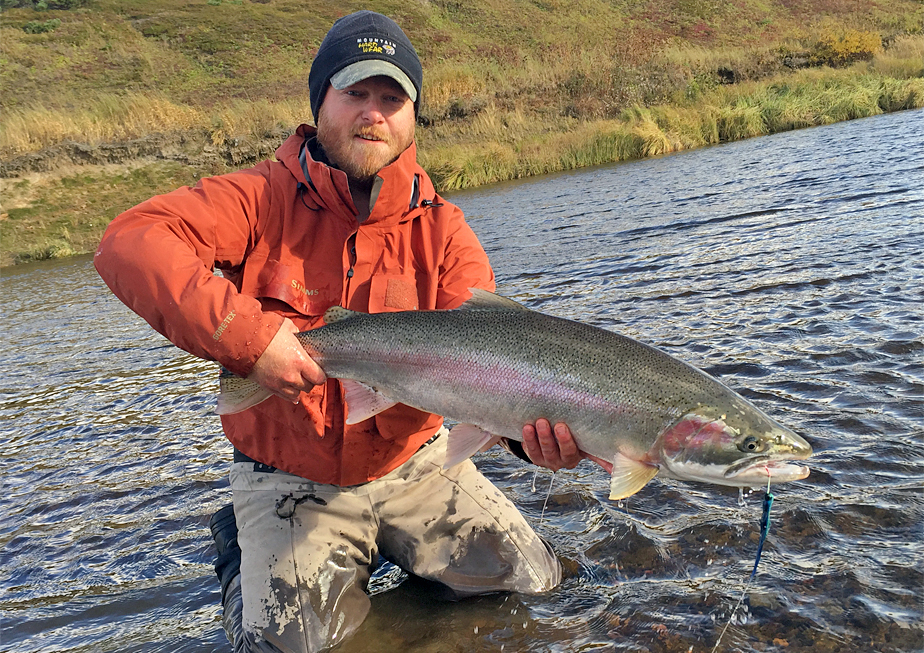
(904, 59)
(107, 118)
(501, 145)
(109, 73)
(512, 87)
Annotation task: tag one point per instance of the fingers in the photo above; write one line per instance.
(547, 444)
(567, 447)
(310, 373)
(551, 448)
(284, 368)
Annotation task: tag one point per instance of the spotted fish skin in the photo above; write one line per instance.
(496, 365)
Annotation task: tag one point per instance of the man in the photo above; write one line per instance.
(345, 216)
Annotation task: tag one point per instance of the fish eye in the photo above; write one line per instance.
(752, 444)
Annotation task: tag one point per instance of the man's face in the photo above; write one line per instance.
(366, 126)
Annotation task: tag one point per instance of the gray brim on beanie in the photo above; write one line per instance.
(357, 72)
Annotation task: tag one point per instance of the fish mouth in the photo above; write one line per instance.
(765, 469)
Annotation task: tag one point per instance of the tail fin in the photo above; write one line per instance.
(237, 394)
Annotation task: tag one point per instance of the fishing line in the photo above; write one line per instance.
(764, 529)
(548, 494)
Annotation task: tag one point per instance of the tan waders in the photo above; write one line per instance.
(309, 549)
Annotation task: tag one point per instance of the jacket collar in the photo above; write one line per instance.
(396, 193)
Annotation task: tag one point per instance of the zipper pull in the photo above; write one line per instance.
(352, 244)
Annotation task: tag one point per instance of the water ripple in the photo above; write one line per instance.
(789, 266)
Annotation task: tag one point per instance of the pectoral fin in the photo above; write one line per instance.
(629, 476)
(464, 441)
(363, 401)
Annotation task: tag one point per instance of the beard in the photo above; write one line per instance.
(361, 160)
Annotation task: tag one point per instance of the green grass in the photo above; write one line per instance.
(51, 217)
(512, 87)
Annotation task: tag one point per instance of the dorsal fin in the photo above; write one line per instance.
(482, 300)
(337, 313)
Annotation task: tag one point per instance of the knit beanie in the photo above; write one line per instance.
(362, 45)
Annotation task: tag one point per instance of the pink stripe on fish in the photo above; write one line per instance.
(495, 376)
(693, 432)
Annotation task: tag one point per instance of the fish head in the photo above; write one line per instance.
(736, 445)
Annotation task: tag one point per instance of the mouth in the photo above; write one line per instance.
(370, 138)
(762, 469)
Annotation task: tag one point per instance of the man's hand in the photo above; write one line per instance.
(553, 449)
(284, 368)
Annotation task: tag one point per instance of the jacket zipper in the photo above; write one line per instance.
(351, 245)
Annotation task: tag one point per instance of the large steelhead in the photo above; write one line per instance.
(493, 365)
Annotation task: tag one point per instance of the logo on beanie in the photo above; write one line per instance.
(376, 46)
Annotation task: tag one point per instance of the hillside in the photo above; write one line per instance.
(107, 102)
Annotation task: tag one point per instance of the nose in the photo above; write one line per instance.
(372, 112)
(798, 447)
(802, 449)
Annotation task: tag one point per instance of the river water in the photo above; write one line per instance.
(789, 266)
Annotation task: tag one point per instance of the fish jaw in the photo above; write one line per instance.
(769, 471)
(704, 448)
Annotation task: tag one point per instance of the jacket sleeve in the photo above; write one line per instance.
(158, 258)
(465, 264)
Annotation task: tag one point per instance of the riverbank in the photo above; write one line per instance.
(64, 212)
(512, 146)
(124, 106)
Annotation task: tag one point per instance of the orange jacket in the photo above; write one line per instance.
(291, 246)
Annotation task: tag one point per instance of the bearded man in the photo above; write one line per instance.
(343, 216)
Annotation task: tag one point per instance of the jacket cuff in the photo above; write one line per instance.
(242, 339)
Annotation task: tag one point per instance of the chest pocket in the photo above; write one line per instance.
(389, 293)
(288, 284)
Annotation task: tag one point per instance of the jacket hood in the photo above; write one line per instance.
(396, 194)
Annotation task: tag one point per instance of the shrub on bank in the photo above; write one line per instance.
(41, 26)
(845, 47)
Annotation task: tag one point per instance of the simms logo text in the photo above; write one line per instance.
(305, 291)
